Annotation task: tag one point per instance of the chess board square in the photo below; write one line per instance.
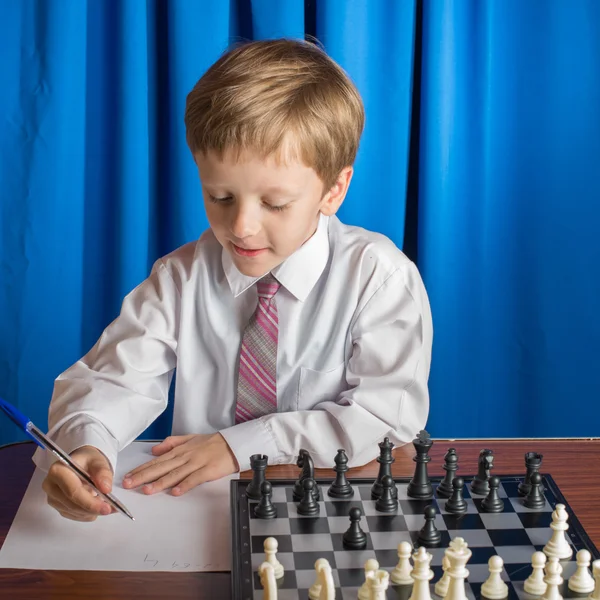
(287, 582)
(351, 577)
(464, 521)
(471, 507)
(338, 542)
(535, 519)
(349, 594)
(369, 509)
(285, 558)
(267, 527)
(437, 556)
(341, 508)
(387, 559)
(391, 522)
(540, 536)
(520, 553)
(414, 535)
(279, 493)
(294, 514)
(306, 577)
(318, 542)
(415, 507)
(505, 520)
(281, 595)
(518, 571)
(310, 525)
(257, 543)
(306, 560)
(364, 491)
(415, 522)
(341, 524)
(509, 537)
(480, 556)
(281, 507)
(508, 507)
(512, 488)
(473, 537)
(389, 540)
(519, 507)
(353, 560)
(478, 573)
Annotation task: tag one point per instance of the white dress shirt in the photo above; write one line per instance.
(355, 337)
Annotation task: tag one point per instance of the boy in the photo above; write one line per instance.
(288, 329)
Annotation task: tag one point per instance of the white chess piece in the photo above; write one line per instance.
(371, 566)
(421, 575)
(535, 584)
(458, 554)
(267, 580)
(441, 587)
(270, 546)
(595, 595)
(493, 587)
(327, 584)
(582, 582)
(314, 592)
(553, 579)
(558, 546)
(401, 573)
(378, 584)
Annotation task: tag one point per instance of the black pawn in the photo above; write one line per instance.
(308, 505)
(386, 502)
(444, 489)
(341, 488)
(355, 538)
(258, 463)
(420, 486)
(265, 509)
(429, 534)
(385, 460)
(535, 498)
(533, 462)
(492, 503)
(480, 484)
(456, 504)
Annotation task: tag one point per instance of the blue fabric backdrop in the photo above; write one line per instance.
(479, 159)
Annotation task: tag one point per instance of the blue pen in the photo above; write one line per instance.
(44, 442)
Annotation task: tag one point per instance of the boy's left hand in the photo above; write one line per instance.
(184, 461)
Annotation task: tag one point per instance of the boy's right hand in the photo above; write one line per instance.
(73, 498)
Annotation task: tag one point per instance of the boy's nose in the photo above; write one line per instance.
(244, 224)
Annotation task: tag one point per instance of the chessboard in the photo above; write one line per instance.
(514, 533)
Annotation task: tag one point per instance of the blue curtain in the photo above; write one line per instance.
(483, 126)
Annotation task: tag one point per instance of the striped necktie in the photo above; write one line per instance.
(257, 372)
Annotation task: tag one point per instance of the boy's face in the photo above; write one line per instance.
(262, 211)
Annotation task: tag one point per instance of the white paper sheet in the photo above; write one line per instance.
(184, 533)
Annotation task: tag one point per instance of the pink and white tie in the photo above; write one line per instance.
(257, 373)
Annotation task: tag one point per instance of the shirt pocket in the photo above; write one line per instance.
(318, 386)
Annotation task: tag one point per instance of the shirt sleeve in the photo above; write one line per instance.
(387, 376)
(110, 396)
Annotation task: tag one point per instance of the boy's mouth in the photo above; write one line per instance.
(247, 252)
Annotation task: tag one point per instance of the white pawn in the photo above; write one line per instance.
(270, 545)
(458, 554)
(581, 582)
(267, 580)
(421, 575)
(378, 584)
(493, 587)
(535, 584)
(553, 579)
(401, 573)
(371, 566)
(558, 545)
(595, 595)
(441, 587)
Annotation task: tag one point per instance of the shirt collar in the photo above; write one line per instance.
(298, 273)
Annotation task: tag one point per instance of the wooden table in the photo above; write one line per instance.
(572, 463)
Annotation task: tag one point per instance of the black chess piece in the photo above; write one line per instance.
(258, 463)
(456, 504)
(533, 462)
(341, 488)
(385, 460)
(480, 483)
(306, 463)
(429, 535)
(444, 489)
(265, 509)
(354, 538)
(420, 486)
(308, 505)
(535, 498)
(386, 502)
(492, 503)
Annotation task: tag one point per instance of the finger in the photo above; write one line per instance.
(101, 474)
(171, 479)
(70, 488)
(152, 472)
(58, 501)
(68, 513)
(198, 477)
(170, 442)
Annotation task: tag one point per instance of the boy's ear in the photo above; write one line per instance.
(333, 199)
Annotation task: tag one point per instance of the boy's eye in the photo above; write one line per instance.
(276, 208)
(223, 200)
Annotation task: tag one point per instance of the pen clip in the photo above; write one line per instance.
(19, 419)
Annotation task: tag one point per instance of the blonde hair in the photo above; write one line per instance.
(278, 97)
